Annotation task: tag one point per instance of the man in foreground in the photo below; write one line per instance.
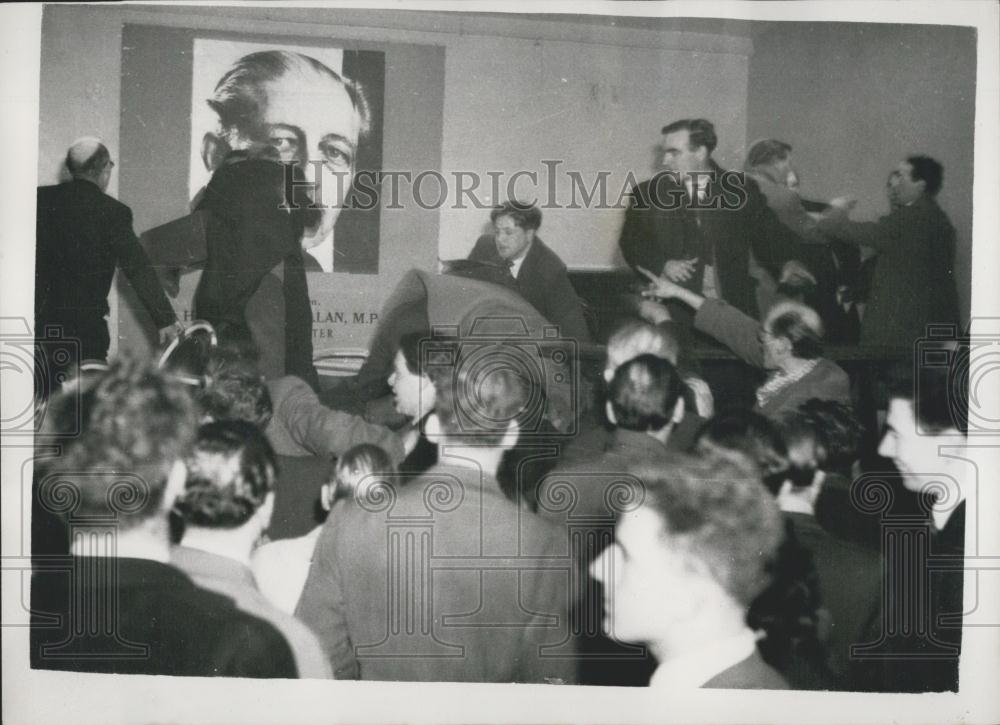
(116, 605)
(684, 568)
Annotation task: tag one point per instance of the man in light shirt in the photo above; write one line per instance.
(684, 568)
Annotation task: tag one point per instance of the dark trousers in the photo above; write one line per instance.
(62, 342)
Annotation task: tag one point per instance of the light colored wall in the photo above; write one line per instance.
(516, 92)
(593, 107)
(853, 99)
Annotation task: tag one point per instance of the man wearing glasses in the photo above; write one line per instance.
(310, 114)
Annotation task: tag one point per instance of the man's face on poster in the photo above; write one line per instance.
(308, 117)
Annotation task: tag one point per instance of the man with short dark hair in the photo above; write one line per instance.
(446, 578)
(645, 404)
(534, 270)
(697, 225)
(116, 605)
(926, 422)
(82, 235)
(226, 506)
(684, 567)
(914, 282)
(590, 487)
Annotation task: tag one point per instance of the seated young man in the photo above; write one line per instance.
(116, 605)
(534, 270)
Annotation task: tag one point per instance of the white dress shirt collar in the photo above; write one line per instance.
(691, 671)
(515, 266)
(941, 514)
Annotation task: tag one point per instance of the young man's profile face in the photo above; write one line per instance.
(309, 118)
(644, 582)
(915, 455)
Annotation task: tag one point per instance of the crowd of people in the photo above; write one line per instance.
(661, 548)
(238, 522)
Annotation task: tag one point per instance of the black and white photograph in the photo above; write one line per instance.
(501, 362)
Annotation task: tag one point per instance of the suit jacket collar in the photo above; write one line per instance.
(697, 668)
(204, 564)
(85, 185)
(633, 443)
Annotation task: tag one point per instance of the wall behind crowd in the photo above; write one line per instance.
(482, 93)
(854, 99)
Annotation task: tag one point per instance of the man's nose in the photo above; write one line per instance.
(886, 449)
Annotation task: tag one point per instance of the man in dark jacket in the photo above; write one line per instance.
(254, 280)
(697, 224)
(914, 281)
(82, 234)
(115, 605)
(535, 271)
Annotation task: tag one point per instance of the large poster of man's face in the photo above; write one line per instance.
(320, 108)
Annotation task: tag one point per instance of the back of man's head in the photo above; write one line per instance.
(717, 513)
(838, 432)
(479, 404)
(233, 387)
(745, 435)
(87, 158)
(136, 424)
(643, 394)
(639, 338)
(928, 170)
(231, 469)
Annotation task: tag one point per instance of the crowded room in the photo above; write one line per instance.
(430, 346)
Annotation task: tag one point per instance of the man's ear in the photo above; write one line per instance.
(214, 149)
(678, 411)
(610, 412)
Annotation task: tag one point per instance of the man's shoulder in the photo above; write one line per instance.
(188, 630)
(752, 673)
(547, 260)
(828, 545)
(829, 370)
(288, 385)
